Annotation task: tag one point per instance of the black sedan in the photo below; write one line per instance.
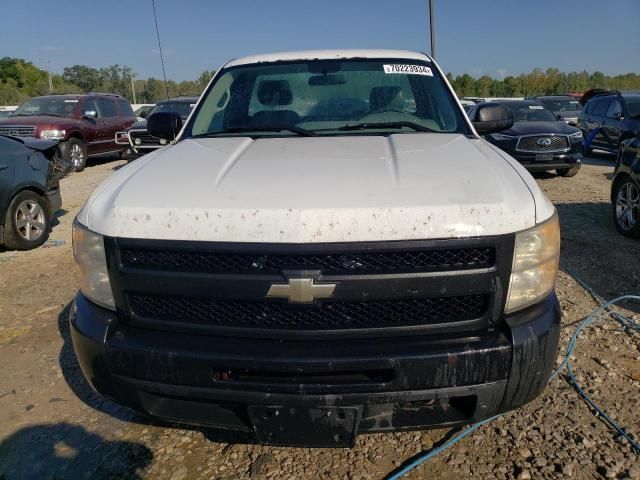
(538, 139)
(625, 189)
(137, 137)
(30, 170)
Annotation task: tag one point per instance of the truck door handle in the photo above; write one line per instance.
(3, 167)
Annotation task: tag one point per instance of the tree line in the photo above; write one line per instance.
(21, 80)
(538, 82)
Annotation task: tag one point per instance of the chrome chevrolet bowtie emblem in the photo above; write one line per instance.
(544, 142)
(301, 290)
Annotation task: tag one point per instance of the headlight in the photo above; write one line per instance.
(88, 251)
(500, 137)
(578, 134)
(52, 134)
(535, 264)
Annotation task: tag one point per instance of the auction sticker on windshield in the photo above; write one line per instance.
(411, 69)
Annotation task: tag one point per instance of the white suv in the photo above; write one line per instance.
(328, 247)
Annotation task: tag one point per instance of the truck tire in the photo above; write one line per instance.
(27, 222)
(626, 207)
(568, 172)
(76, 153)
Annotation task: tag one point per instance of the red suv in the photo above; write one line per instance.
(84, 124)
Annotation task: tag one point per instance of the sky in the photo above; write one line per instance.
(492, 37)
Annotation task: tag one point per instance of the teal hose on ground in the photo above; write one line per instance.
(566, 363)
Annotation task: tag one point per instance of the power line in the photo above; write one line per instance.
(164, 73)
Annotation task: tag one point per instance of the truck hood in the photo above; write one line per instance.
(532, 128)
(317, 189)
(140, 124)
(47, 121)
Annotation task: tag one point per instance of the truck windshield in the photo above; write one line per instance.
(55, 107)
(181, 108)
(561, 105)
(328, 98)
(527, 112)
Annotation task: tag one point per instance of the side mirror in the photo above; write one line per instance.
(90, 114)
(164, 125)
(560, 117)
(144, 113)
(492, 118)
(617, 115)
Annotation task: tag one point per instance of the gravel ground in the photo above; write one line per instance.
(53, 426)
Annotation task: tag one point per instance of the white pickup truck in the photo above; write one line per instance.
(327, 247)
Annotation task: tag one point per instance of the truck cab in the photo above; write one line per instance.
(327, 247)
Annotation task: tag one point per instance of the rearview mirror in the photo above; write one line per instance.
(329, 79)
(165, 125)
(90, 114)
(491, 118)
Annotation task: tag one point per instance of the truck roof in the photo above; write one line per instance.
(328, 55)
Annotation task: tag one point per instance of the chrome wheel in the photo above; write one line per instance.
(76, 155)
(628, 206)
(30, 220)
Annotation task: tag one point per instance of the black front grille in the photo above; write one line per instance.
(18, 130)
(146, 140)
(336, 263)
(327, 316)
(543, 143)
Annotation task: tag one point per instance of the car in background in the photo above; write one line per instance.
(625, 188)
(143, 110)
(84, 125)
(5, 112)
(608, 119)
(30, 170)
(538, 139)
(466, 104)
(565, 107)
(136, 136)
(474, 99)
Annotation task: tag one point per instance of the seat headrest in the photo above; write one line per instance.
(382, 98)
(274, 92)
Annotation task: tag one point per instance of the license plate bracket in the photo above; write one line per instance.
(544, 157)
(304, 426)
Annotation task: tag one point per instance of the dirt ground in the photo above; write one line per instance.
(53, 426)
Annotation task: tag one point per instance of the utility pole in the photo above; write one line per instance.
(133, 90)
(49, 74)
(431, 31)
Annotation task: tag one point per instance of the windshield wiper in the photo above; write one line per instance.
(51, 114)
(382, 125)
(297, 130)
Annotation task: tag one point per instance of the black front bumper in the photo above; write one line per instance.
(274, 390)
(54, 197)
(541, 161)
(558, 161)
